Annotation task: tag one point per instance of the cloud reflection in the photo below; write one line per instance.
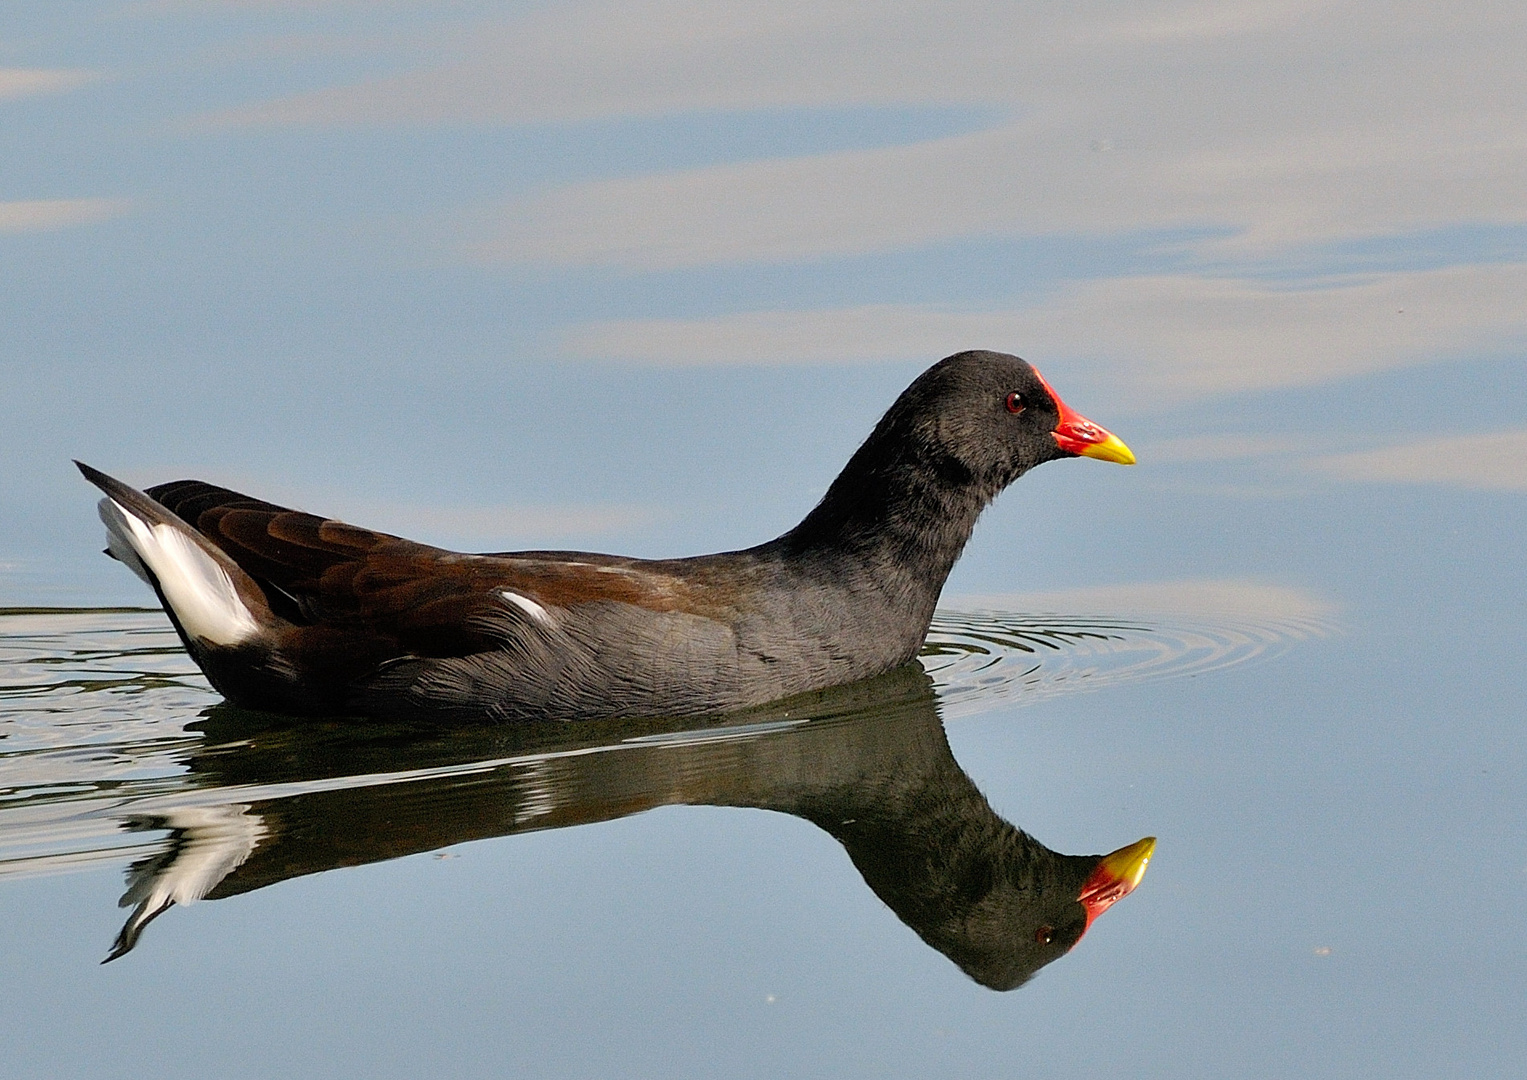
(42, 215)
(26, 82)
(1239, 117)
(1158, 339)
(1489, 461)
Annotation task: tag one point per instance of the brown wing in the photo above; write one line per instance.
(433, 602)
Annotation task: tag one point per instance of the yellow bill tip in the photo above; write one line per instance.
(1110, 449)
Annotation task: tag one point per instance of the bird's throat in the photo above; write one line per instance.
(899, 529)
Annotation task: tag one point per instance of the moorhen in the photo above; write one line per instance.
(289, 612)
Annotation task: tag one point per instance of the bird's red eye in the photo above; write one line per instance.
(1015, 402)
(1044, 935)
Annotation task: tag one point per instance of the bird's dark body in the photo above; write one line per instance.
(355, 621)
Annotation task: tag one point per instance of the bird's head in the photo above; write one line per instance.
(994, 417)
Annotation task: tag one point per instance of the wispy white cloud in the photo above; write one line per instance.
(156, 8)
(1280, 122)
(1041, 174)
(1156, 339)
(1231, 447)
(577, 61)
(1487, 461)
(25, 82)
(40, 215)
(1490, 461)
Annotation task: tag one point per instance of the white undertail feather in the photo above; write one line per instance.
(198, 590)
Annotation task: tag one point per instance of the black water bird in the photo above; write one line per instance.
(294, 613)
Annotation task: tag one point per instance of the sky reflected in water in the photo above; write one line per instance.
(638, 276)
(234, 801)
(609, 945)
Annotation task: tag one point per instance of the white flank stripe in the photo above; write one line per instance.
(528, 606)
(198, 590)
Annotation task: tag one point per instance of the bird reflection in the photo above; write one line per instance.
(868, 763)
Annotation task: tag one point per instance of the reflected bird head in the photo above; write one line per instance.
(1036, 908)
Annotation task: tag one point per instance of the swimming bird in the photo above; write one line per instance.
(293, 613)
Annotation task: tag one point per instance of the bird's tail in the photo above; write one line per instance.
(213, 602)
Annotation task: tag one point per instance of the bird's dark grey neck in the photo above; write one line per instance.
(894, 516)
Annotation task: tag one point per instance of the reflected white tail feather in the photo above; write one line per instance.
(213, 842)
(199, 591)
(208, 843)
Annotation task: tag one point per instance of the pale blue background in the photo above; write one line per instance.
(289, 295)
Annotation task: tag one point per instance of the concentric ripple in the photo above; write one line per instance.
(977, 658)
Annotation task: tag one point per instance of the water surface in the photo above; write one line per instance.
(117, 752)
(878, 880)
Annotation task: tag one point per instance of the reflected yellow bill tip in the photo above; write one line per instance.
(1128, 863)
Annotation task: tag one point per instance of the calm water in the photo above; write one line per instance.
(117, 753)
(638, 277)
(576, 900)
